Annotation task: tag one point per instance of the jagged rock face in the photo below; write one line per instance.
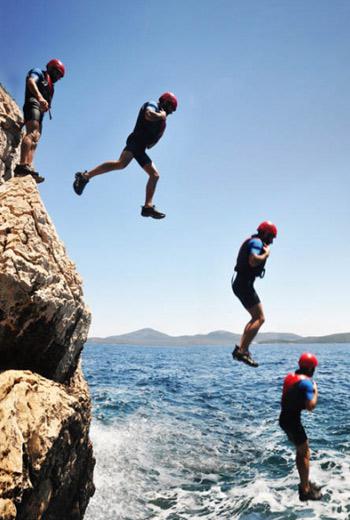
(46, 460)
(43, 319)
(10, 136)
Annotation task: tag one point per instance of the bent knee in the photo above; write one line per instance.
(34, 135)
(261, 319)
(152, 172)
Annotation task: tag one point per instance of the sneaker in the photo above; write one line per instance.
(80, 183)
(21, 170)
(151, 211)
(245, 357)
(312, 494)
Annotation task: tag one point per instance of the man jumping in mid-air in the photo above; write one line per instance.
(149, 128)
(251, 261)
(39, 92)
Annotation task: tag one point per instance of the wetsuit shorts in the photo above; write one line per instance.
(243, 288)
(31, 112)
(291, 425)
(137, 148)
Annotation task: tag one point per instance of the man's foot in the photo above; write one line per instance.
(21, 170)
(245, 357)
(80, 183)
(311, 494)
(151, 211)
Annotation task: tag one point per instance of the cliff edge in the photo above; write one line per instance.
(46, 459)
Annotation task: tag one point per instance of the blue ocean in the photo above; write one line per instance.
(186, 433)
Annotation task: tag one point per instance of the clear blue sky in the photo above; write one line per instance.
(262, 131)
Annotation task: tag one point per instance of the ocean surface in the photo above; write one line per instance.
(186, 433)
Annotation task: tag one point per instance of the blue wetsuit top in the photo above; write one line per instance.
(44, 85)
(255, 246)
(148, 132)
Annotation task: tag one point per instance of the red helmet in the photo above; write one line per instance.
(308, 361)
(169, 97)
(268, 227)
(56, 65)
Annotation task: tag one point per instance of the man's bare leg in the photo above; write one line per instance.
(252, 327)
(303, 465)
(123, 161)
(151, 185)
(30, 142)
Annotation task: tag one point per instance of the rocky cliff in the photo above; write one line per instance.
(10, 134)
(46, 459)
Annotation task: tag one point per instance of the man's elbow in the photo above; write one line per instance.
(310, 405)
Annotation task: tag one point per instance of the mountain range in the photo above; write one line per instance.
(151, 337)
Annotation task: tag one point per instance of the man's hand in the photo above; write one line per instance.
(44, 106)
(266, 250)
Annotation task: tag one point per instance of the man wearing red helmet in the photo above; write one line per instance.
(149, 128)
(39, 92)
(250, 264)
(300, 393)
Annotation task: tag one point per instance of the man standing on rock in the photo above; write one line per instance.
(39, 92)
(149, 128)
(250, 264)
(300, 393)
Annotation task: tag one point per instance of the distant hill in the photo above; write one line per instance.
(343, 337)
(151, 337)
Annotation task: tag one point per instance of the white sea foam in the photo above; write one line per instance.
(157, 469)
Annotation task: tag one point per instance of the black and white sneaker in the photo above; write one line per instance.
(80, 183)
(312, 494)
(245, 357)
(151, 211)
(22, 170)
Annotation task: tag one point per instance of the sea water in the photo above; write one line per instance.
(187, 433)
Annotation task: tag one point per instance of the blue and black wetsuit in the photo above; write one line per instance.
(243, 283)
(297, 389)
(145, 134)
(31, 108)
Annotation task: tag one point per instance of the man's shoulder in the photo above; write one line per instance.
(306, 384)
(36, 72)
(153, 105)
(255, 243)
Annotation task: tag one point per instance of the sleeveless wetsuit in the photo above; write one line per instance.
(297, 389)
(243, 283)
(145, 134)
(31, 108)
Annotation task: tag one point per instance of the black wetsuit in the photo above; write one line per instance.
(31, 108)
(297, 389)
(243, 282)
(145, 134)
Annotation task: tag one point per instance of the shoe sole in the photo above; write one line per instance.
(153, 216)
(242, 360)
